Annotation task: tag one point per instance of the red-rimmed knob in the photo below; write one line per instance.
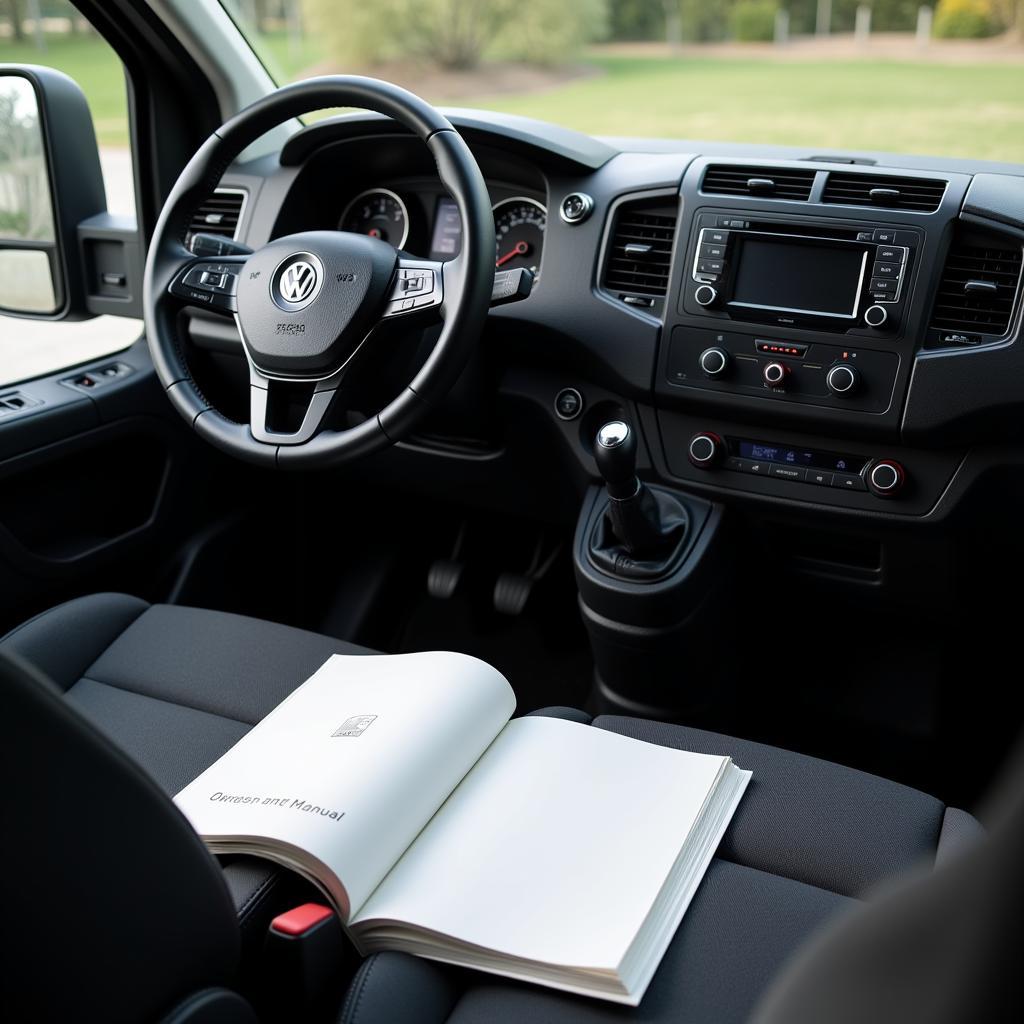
(706, 449)
(886, 478)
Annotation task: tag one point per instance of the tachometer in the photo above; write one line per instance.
(519, 226)
(380, 213)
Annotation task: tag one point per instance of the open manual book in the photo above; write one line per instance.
(538, 849)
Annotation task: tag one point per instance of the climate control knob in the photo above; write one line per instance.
(714, 362)
(706, 449)
(875, 316)
(886, 478)
(705, 295)
(775, 374)
(843, 379)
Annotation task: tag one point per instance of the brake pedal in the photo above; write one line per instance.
(513, 589)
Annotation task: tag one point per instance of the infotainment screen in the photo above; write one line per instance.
(799, 277)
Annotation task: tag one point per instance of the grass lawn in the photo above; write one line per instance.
(947, 110)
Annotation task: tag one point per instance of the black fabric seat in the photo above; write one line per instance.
(809, 841)
(175, 687)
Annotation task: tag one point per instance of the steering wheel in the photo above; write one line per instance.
(307, 304)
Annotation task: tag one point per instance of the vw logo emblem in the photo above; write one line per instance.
(296, 282)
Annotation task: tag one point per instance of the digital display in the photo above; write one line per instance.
(446, 241)
(760, 451)
(799, 277)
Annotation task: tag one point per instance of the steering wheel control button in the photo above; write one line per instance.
(849, 482)
(705, 295)
(209, 284)
(706, 450)
(843, 379)
(568, 404)
(413, 288)
(775, 374)
(576, 207)
(714, 362)
(875, 316)
(886, 478)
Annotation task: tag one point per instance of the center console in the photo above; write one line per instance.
(790, 334)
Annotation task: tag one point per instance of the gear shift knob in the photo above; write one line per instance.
(615, 455)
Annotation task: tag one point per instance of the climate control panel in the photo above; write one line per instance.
(843, 376)
(882, 477)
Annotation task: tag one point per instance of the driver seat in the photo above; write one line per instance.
(175, 687)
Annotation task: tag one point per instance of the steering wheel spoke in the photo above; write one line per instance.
(285, 412)
(209, 283)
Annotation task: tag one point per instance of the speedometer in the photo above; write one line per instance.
(519, 226)
(380, 213)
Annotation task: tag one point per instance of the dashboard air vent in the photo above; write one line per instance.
(977, 291)
(765, 182)
(218, 215)
(640, 248)
(921, 194)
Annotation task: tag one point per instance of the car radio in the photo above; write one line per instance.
(810, 274)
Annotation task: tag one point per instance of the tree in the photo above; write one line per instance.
(15, 16)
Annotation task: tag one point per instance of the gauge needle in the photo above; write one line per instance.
(519, 249)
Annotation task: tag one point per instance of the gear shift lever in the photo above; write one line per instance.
(615, 454)
(643, 524)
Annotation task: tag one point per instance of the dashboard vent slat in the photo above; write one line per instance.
(977, 291)
(640, 248)
(764, 182)
(921, 194)
(218, 215)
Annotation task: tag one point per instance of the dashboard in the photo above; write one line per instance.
(837, 333)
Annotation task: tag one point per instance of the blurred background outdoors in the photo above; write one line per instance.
(943, 78)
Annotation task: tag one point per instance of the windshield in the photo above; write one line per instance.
(897, 75)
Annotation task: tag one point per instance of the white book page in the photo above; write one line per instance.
(354, 763)
(554, 848)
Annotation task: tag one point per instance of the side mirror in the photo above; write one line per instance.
(50, 182)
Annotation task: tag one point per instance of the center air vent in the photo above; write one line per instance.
(921, 194)
(977, 291)
(764, 182)
(218, 215)
(640, 250)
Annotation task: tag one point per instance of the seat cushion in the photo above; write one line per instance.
(173, 687)
(809, 838)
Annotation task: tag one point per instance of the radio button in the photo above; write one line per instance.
(711, 251)
(819, 477)
(887, 270)
(849, 482)
(796, 473)
(880, 285)
(865, 236)
(892, 253)
(710, 266)
(729, 222)
(714, 236)
(887, 235)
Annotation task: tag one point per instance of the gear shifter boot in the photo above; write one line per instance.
(641, 537)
